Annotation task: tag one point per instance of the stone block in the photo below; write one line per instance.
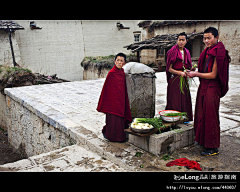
(142, 142)
(140, 80)
(166, 142)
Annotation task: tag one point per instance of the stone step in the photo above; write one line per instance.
(71, 158)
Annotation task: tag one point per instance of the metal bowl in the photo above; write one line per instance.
(141, 130)
(168, 118)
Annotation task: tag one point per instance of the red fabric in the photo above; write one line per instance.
(114, 128)
(206, 119)
(174, 56)
(185, 162)
(173, 91)
(176, 100)
(218, 50)
(114, 96)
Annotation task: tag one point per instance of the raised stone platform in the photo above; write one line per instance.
(166, 142)
(45, 119)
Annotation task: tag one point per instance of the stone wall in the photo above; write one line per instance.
(57, 48)
(98, 67)
(141, 94)
(5, 49)
(141, 87)
(102, 37)
(31, 135)
(3, 118)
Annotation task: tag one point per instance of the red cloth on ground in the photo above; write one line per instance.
(114, 96)
(185, 162)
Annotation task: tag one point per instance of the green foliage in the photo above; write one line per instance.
(155, 122)
(138, 154)
(12, 70)
(177, 114)
(167, 157)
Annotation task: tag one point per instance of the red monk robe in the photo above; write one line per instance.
(115, 104)
(206, 119)
(176, 100)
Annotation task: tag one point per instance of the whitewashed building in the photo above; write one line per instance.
(59, 46)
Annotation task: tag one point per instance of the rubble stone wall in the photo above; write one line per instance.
(3, 117)
(31, 135)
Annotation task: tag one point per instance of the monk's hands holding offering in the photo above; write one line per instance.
(194, 67)
(192, 74)
(183, 74)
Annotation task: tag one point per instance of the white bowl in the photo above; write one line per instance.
(142, 130)
(167, 118)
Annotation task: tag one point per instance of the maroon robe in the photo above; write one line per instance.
(176, 100)
(114, 103)
(206, 119)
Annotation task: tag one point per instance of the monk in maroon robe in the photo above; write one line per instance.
(213, 73)
(114, 102)
(178, 57)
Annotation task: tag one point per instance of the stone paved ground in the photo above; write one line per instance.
(74, 105)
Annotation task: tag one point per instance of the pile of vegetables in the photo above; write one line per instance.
(176, 114)
(141, 125)
(156, 122)
(183, 82)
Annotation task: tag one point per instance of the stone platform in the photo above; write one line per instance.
(166, 142)
(46, 119)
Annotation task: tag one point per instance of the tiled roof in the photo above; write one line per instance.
(160, 41)
(12, 25)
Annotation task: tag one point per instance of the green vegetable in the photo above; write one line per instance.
(155, 122)
(171, 114)
(182, 82)
(176, 114)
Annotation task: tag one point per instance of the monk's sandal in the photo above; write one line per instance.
(210, 152)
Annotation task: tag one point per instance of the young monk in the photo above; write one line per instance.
(114, 102)
(178, 57)
(213, 67)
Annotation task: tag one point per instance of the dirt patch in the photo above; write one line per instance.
(7, 155)
(17, 77)
(227, 160)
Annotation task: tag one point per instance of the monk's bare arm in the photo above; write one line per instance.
(211, 75)
(173, 71)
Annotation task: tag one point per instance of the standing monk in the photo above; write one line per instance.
(114, 102)
(213, 67)
(178, 58)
